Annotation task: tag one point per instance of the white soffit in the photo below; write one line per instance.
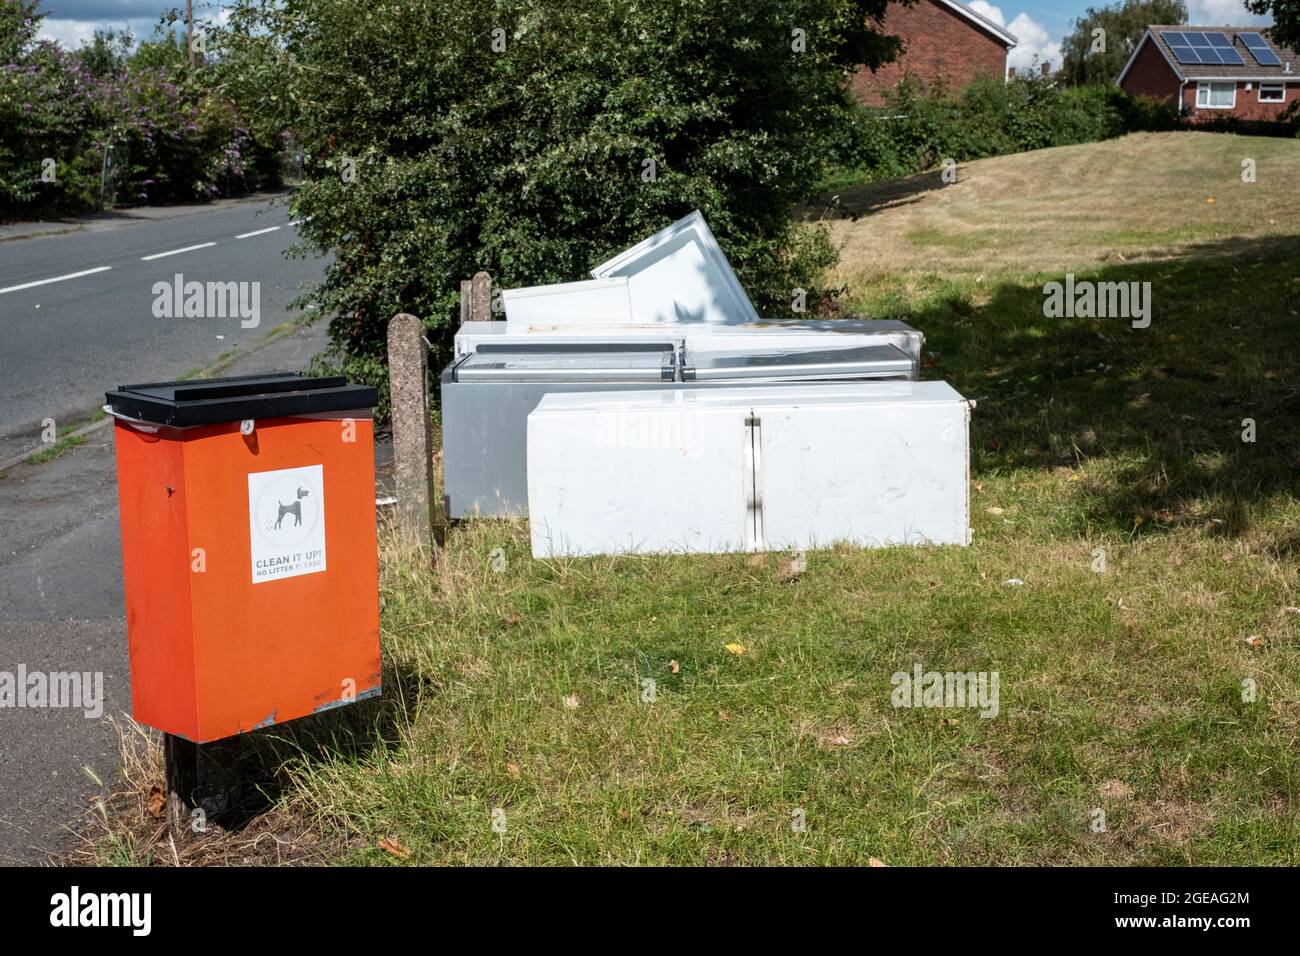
(680, 274)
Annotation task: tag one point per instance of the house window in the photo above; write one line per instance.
(1272, 92)
(1216, 96)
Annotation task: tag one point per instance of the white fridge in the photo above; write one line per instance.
(748, 469)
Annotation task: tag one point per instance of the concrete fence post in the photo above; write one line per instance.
(408, 386)
(481, 298)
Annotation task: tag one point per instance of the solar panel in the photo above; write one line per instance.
(1186, 54)
(1192, 46)
(1259, 49)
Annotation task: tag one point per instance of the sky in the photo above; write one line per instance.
(1040, 25)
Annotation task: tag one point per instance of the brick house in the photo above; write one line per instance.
(944, 41)
(1213, 72)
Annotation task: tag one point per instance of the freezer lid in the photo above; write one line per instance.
(796, 365)
(584, 362)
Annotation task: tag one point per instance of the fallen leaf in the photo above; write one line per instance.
(995, 510)
(571, 701)
(948, 722)
(1255, 641)
(674, 667)
(737, 649)
(391, 846)
(723, 715)
(157, 801)
(512, 769)
(1209, 200)
(874, 862)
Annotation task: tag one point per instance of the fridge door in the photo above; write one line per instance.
(594, 300)
(630, 362)
(796, 364)
(680, 274)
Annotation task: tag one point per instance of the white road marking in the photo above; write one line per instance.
(259, 232)
(70, 275)
(176, 252)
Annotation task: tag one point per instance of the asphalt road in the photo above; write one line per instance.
(61, 601)
(66, 341)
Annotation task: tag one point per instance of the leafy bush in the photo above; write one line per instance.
(534, 138)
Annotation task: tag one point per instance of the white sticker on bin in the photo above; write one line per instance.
(286, 516)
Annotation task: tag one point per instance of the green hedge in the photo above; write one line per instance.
(918, 129)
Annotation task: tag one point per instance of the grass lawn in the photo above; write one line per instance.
(1158, 553)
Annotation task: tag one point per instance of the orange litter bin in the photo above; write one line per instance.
(248, 549)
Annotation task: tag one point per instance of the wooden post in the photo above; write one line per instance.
(466, 293)
(205, 777)
(408, 385)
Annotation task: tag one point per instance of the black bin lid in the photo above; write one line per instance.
(211, 400)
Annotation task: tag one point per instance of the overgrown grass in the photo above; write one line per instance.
(1157, 552)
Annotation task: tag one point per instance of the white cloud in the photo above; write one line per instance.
(71, 34)
(1034, 44)
(68, 34)
(1223, 13)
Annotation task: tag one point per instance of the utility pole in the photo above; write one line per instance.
(189, 30)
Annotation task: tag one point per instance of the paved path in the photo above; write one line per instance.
(77, 309)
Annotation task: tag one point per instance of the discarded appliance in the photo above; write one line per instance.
(248, 549)
(593, 300)
(491, 387)
(748, 469)
(680, 274)
(859, 450)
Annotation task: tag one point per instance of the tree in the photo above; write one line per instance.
(107, 53)
(1286, 20)
(19, 21)
(534, 138)
(1088, 57)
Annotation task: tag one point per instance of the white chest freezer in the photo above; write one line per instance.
(748, 469)
(759, 336)
(489, 390)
